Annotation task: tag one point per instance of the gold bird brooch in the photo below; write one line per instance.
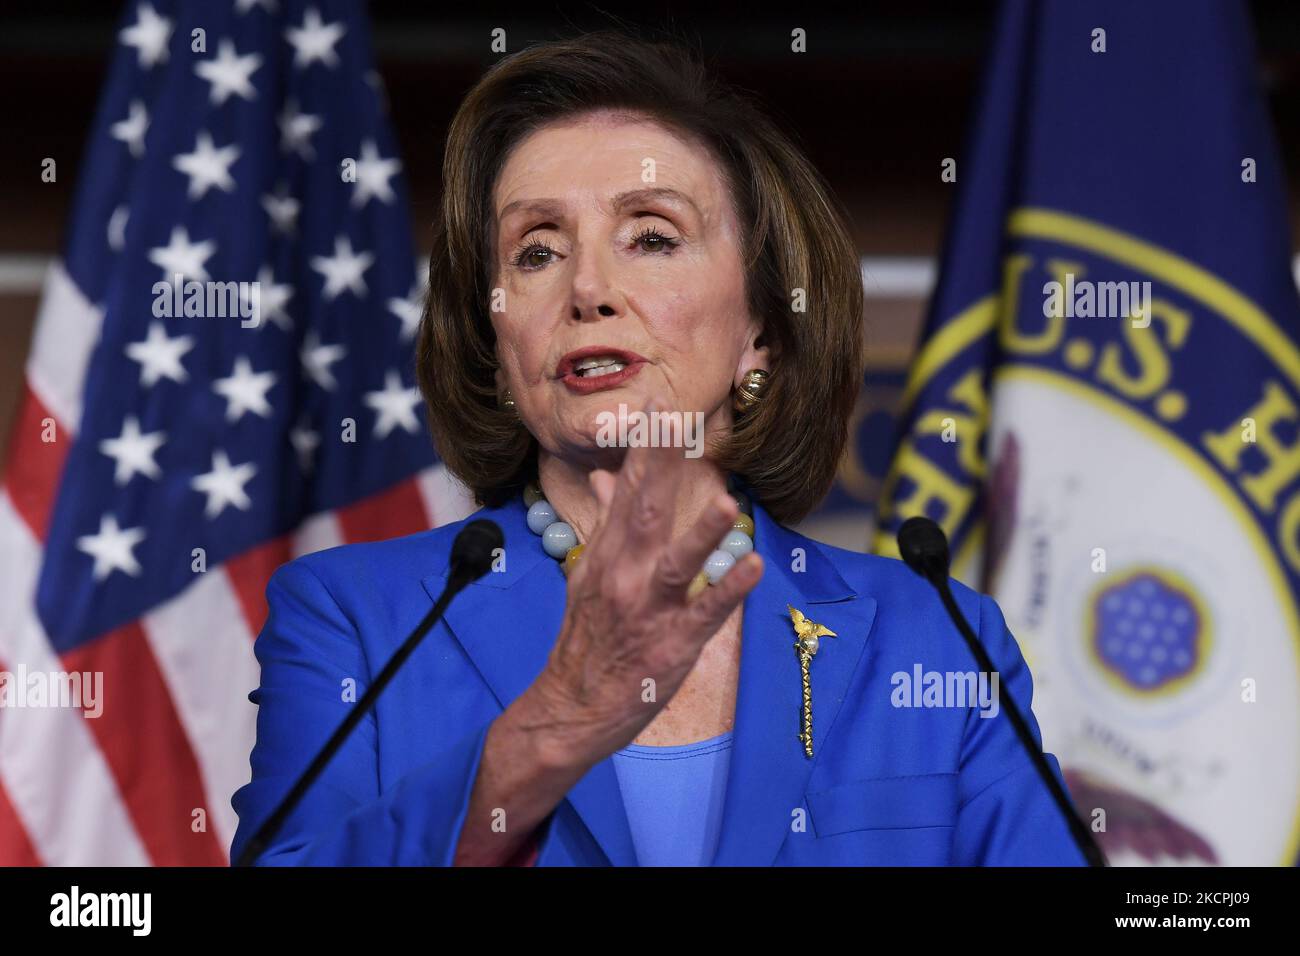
(808, 639)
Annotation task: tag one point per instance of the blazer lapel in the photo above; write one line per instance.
(507, 622)
(769, 770)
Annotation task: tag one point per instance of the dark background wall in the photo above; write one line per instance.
(881, 96)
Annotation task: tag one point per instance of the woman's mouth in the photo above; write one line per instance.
(597, 368)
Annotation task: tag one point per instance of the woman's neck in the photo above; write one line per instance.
(567, 487)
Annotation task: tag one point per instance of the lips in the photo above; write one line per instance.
(597, 368)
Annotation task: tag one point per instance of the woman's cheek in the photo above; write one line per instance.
(668, 313)
(530, 340)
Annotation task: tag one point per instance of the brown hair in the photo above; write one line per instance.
(794, 233)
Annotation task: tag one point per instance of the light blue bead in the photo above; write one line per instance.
(540, 515)
(737, 544)
(558, 538)
(718, 564)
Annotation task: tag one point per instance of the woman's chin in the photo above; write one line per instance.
(601, 412)
(586, 452)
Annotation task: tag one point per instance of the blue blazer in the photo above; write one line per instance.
(887, 785)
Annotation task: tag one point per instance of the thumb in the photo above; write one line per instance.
(603, 483)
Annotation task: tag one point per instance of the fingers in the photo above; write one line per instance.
(718, 600)
(646, 493)
(683, 558)
(602, 486)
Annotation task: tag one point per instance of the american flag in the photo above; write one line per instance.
(162, 466)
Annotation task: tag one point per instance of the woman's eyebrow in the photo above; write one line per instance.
(551, 208)
(637, 197)
(554, 208)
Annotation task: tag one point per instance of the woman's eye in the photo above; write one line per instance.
(532, 256)
(653, 241)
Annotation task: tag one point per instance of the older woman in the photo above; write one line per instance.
(621, 236)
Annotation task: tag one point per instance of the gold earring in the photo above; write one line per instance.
(506, 401)
(750, 390)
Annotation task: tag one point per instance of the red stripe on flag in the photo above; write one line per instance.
(147, 749)
(16, 847)
(389, 514)
(33, 466)
(249, 573)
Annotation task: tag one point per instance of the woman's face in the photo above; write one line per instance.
(617, 246)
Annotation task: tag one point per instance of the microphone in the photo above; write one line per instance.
(471, 558)
(471, 552)
(924, 548)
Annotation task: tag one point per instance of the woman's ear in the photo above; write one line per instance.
(754, 355)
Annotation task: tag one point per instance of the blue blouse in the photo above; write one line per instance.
(673, 797)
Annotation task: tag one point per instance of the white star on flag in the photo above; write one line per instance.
(243, 6)
(317, 359)
(296, 129)
(373, 174)
(314, 40)
(133, 451)
(343, 270)
(182, 257)
(207, 166)
(159, 356)
(149, 35)
(305, 442)
(282, 210)
(271, 300)
(132, 129)
(409, 310)
(395, 405)
(111, 548)
(224, 484)
(229, 73)
(245, 390)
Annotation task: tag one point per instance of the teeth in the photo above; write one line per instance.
(595, 360)
(598, 365)
(599, 370)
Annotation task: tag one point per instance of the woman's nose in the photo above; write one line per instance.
(603, 310)
(595, 294)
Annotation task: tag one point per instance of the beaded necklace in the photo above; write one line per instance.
(560, 541)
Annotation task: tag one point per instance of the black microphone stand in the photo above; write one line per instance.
(928, 557)
(463, 572)
(1082, 836)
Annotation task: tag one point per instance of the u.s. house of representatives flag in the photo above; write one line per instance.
(1105, 417)
(221, 378)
